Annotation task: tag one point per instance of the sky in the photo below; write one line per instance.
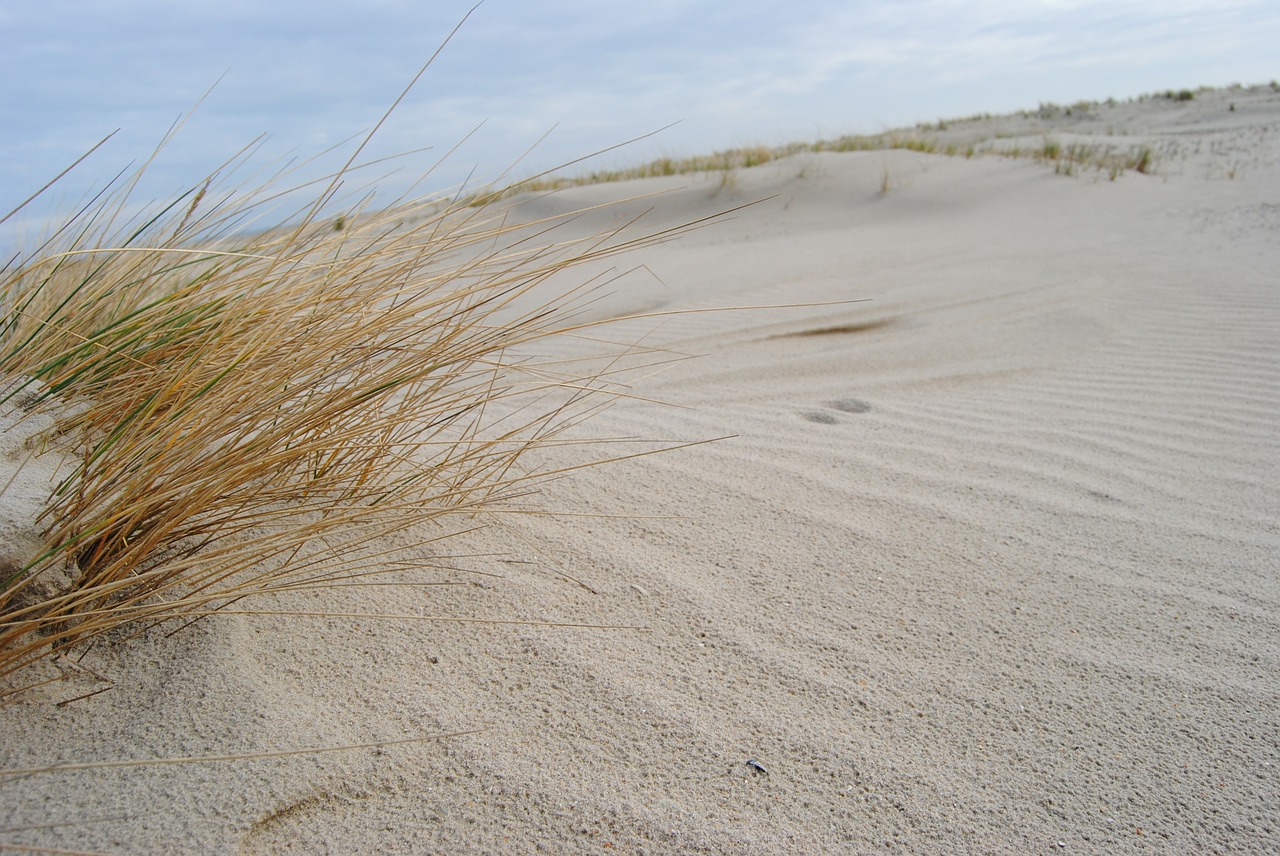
(587, 74)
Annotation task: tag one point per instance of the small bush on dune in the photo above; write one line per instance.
(251, 413)
(1141, 160)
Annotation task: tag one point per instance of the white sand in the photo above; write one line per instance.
(991, 564)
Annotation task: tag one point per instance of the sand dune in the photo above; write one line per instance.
(988, 563)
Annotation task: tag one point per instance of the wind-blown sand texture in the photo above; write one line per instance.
(991, 562)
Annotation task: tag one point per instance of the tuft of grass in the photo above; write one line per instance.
(1140, 160)
(251, 412)
(1071, 159)
(728, 183)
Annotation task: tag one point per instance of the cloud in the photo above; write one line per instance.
(311, 74)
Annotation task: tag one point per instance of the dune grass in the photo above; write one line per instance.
(252, 410)
(1075, 158)
(1070, 160)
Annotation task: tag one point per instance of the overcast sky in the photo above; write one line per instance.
(731, 72)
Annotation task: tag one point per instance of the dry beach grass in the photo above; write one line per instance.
(239, 414)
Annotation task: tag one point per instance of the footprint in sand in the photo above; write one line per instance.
(844, 405)
(850, 405)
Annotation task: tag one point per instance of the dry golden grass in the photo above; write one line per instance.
(253, 412)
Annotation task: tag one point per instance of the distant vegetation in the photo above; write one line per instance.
(927, 138)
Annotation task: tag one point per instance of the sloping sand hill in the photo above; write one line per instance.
(989, 562)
